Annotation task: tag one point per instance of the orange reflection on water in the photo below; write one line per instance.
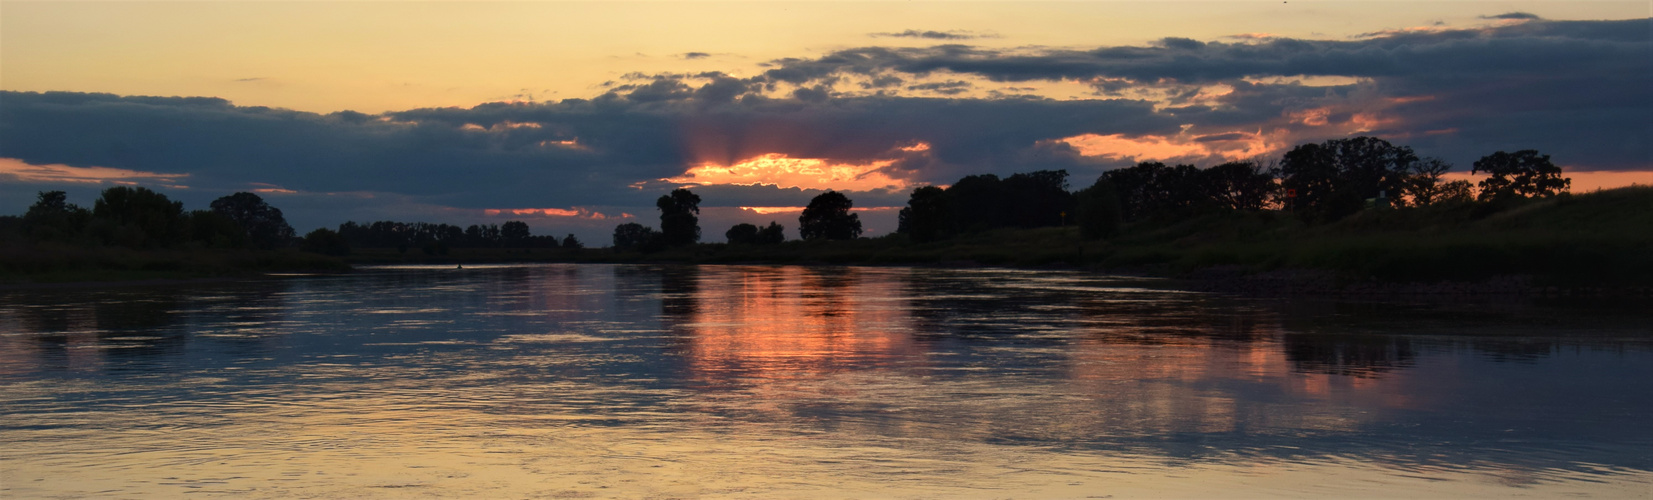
(765, 325)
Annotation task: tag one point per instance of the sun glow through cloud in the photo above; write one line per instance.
(779, 170)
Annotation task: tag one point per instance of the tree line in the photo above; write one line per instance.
(1319, 182)
(437, 239)
(140, 218)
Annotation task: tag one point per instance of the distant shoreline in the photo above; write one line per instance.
(1588, 244)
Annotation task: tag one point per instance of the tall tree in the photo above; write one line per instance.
(633, 236)
(678, 222)
(1153, 190)
(978, 203)
(1522, 174)
(742, 234)
(1423, 184)
(1333, 179)
(514, 233)
(137, 217)
(1037, 199)
(265, 226)
(772, 234)
(1100, 213)
(1239, 185)
(827, 218)
(52, 217)
(928, 215)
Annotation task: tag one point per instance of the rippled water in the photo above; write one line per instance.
(755, 381)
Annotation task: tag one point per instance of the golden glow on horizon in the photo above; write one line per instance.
(779, 170)
(1584, 181)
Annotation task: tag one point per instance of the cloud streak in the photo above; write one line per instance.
(934, 35)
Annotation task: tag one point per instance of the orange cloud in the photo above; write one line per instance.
(1120, 146)
(56, 172)
(577, 212)
(499, 127)
(779, 170)
(783, 210)
(772, 210)
(567, 144)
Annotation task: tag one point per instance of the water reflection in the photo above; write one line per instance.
(837, 377)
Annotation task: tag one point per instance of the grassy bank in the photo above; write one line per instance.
(51, 263)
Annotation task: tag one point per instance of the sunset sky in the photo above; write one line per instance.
(575, 116)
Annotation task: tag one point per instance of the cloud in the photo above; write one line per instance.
(696, 55)
(934, 35)
(851, 119)
(950, 87)
(1514, 15)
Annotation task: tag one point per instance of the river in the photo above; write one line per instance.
(636, 381)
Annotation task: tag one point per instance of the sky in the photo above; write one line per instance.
(575, 116)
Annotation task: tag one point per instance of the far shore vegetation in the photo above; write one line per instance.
(1359, 209)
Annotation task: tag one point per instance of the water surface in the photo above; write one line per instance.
(759, 381)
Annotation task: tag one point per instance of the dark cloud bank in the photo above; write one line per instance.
(1578, 90)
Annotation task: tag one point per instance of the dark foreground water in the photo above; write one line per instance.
(764, 382)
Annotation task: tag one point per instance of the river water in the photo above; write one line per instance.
(599, 381)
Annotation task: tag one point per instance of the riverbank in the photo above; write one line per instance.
(1593, 243)
(1597, 243)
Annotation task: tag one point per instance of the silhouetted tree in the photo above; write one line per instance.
(264, 224)
(1459, 191)
(1100, 213)
(827, 217)
(678, 222)
(1036, 199)
(928, 215)
(324, 241)
(1334, 178)
(572, 243)
(137, 217)
(742, 234)
(1422, 186)
(1239, 185)
(1154, 190)
(215, 230)
(773, 234)
(53, 218)
(514, 233)
(634, 236)
(977, 203)
(1522, 174)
